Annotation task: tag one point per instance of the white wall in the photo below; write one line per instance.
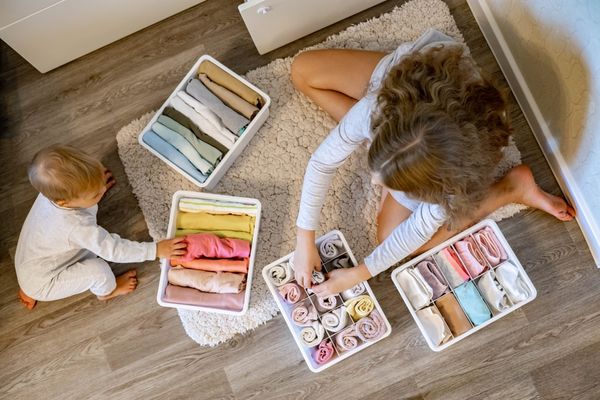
(549, 51)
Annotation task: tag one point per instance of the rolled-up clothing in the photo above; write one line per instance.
(213, 282)
(359, 307)
(453, 314)
(207, 245)
(312, 335)
(318, 277)
(493, 293)
(331, 248)
(291, 293)
(184, 295)
(208, 221)
(514, 284)
(215, 265)
(326, 303)
(336, 320)
(281, 274)
(347, 339)
(230, 82)
(324, 352)
(370, 328)
(232, 120)
(472, 259)
(354, 291)
(490, 246)
(304, 314)
(220, 233)
(433, 277)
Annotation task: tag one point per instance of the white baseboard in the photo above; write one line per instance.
(499, 46)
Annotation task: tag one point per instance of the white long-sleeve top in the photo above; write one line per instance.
(353, 130)
(53, 238)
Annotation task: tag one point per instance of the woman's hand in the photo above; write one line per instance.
(306, 258)
(339, 280)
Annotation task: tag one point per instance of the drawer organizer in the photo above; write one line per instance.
(329, 329)
(217, 215)
(206, 122)
(463, 285)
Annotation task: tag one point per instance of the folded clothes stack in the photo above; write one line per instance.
(462, 286)
(202, 122)
(213, 272)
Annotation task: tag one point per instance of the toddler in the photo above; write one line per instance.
(62, 251)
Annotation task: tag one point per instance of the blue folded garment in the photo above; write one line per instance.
(171, 153)
(472, 303)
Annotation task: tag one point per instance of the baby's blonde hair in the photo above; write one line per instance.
(63, 172)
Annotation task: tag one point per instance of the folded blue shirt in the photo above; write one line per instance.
(471, 301)
(171, 153)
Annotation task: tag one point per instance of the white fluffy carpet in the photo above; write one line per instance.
(272, 166)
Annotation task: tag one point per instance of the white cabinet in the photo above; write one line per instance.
(273, 23)
(49, 33)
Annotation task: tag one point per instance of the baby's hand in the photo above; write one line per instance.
(109, 179)
(171, 248)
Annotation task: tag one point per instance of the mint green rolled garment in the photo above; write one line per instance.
(184, 147)
(206, 151)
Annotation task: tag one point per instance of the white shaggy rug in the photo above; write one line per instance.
(271, 168)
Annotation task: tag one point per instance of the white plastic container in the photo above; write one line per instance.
(164, 265)
(239, 144)
(295, 330)
(512, 258)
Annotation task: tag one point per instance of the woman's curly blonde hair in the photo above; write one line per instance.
(439, 129)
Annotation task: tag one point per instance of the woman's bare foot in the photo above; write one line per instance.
(126, 283)
(529, 193)
(27, 301)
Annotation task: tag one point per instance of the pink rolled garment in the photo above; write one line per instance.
(208, 245)
(324, 352)
(214, 265)
(213, 282)
(347, 339)
(291, 293)
(304, 315)
(182, 295)
(326, 303)
(490, 246)
(470, 256)
(371, 327)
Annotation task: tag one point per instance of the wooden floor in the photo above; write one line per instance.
(131, 348)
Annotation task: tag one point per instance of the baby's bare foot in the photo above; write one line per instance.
(126, 283)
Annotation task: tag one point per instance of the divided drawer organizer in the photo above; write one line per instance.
(463, 285)
(205, 163)
(196, 202)
(353, 318)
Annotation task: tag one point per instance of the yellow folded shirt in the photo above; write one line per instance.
(215, 222)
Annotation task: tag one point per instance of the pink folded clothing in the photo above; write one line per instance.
(326, 303)
(208, 245)
(214, 265)
(324, 352)
(451, 267)
(371, 327)
(347, 339)
(291, 293)
(213, 282)
(183, 295)
(304, 315)
(490, 246)
(433, 277)
(470, 256)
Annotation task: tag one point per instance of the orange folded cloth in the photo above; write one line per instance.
(214, 264)
(193, 297)
(453, 314)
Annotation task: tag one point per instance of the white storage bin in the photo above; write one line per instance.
(239, 145)
(286, 308)
(165, 263)
(509, 305)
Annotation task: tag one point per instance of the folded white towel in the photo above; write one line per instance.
(414, 286)
(492, 292)
(509, 277)
(434, 325)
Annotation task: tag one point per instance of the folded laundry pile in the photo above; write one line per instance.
(202, 122)
(213, 272)
(462, 285)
